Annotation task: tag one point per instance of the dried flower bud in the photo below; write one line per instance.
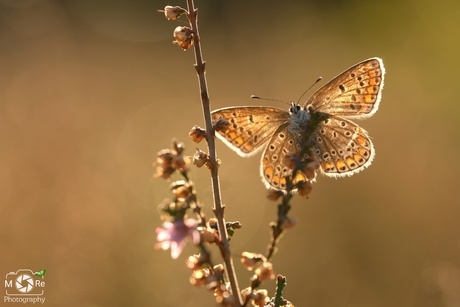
(164, 173)
(221, 125)
(219, 269)
(181, 189)
(274, 195)
(171, 160)
(172, 12)
(208, 235)
(200, 158)
(197, 134)
(165, 158)
(265, 271)
(182, 193)
(194, 262)
(177, 184)
(304, 188)
(199, 277)
(291, 160)
(219, 291)
(310, 168)
(224, 297)
(184, 37)
(260, 297)
(249, 260)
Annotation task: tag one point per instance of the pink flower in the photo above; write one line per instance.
(173, 235)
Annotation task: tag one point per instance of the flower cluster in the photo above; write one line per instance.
(170, 160)
(178, 227)
(183, 35)
(263, 270)
(172, 235)
(303, 171)
(204, 273)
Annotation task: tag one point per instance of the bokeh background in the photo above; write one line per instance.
(91, 90)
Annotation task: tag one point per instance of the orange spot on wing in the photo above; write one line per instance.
(239, 140)
(328, 166)
(283, 182)
(362, 151)
(268, 172)
(276, 180)
(247, 147)
(231, 134)
(361, 140)
(368, 98)
(350, 161)
(341, 164)
(300, 177)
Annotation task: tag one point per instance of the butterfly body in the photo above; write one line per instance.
(341, 146)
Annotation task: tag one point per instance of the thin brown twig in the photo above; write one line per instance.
(218, 207)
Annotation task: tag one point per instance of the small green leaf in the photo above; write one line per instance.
(41, 273)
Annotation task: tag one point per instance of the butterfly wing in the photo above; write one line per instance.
(342, 147)
(272, 168)
(355, 93)
(250, 127)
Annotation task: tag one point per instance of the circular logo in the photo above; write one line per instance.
(24, 283)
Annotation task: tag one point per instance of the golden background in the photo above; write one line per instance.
(91, 90)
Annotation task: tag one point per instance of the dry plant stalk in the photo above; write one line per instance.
(222, 279)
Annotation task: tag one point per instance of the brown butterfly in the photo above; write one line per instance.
(341, 146)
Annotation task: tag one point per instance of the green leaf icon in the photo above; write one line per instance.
(41, 273)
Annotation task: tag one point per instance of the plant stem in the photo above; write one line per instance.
(218, 207)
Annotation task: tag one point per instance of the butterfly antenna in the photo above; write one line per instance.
(319, 79)
(269, 99)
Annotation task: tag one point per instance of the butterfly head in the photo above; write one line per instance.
(295, 108)
(299, 119)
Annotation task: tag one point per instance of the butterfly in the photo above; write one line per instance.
(341, 146)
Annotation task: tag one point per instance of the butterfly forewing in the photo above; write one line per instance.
(250, 127)
(342, 147)
(355, 93)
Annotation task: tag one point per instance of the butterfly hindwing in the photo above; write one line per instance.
(342, 147)
(272, 168)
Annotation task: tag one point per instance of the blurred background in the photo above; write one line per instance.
(91, 90)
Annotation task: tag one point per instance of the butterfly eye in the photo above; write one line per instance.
(294, 109)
